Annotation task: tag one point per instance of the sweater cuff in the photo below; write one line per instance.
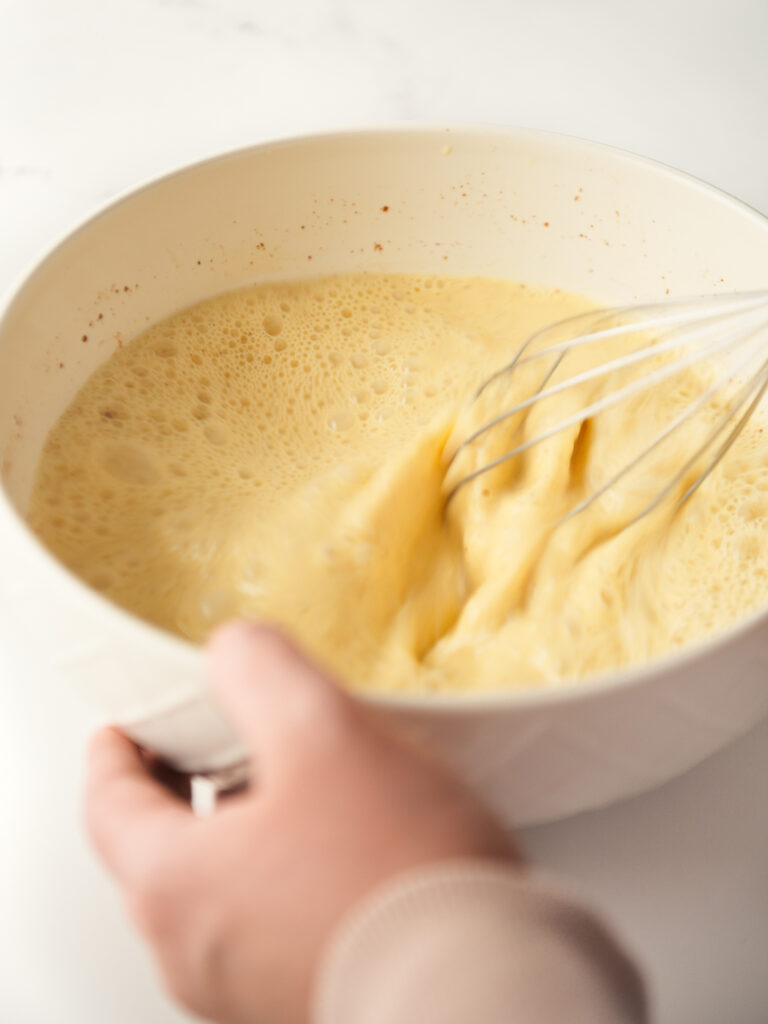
(475, 941)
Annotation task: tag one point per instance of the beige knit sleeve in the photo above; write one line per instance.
(475, 943)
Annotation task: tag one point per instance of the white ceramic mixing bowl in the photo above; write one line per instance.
(507, 203)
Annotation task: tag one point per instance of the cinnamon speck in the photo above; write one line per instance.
(100, 316)
(84, 338)
(378, 247)
(199, 263)
(546, 223)
(385, 209)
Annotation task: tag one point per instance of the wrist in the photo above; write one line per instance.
(474, 939)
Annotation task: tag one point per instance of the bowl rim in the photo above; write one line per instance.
(188, 655)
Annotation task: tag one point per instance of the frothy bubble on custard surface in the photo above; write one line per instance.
(279, 453)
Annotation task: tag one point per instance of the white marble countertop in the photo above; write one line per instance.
(96, 97)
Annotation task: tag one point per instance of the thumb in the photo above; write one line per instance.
(279, 702)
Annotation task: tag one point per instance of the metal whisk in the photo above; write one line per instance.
(731, 331)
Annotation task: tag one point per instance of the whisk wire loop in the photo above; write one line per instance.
(698, 329)
(702, 401)
(723, 306)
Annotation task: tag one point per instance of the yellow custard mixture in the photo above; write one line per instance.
(283, 452)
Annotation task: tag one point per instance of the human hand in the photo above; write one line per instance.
(238, 907)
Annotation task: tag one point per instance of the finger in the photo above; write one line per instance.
(278, 701)
(129, 816)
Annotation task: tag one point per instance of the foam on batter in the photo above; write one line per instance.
(280, 452)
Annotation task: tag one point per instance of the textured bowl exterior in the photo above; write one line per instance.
(517, 204)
